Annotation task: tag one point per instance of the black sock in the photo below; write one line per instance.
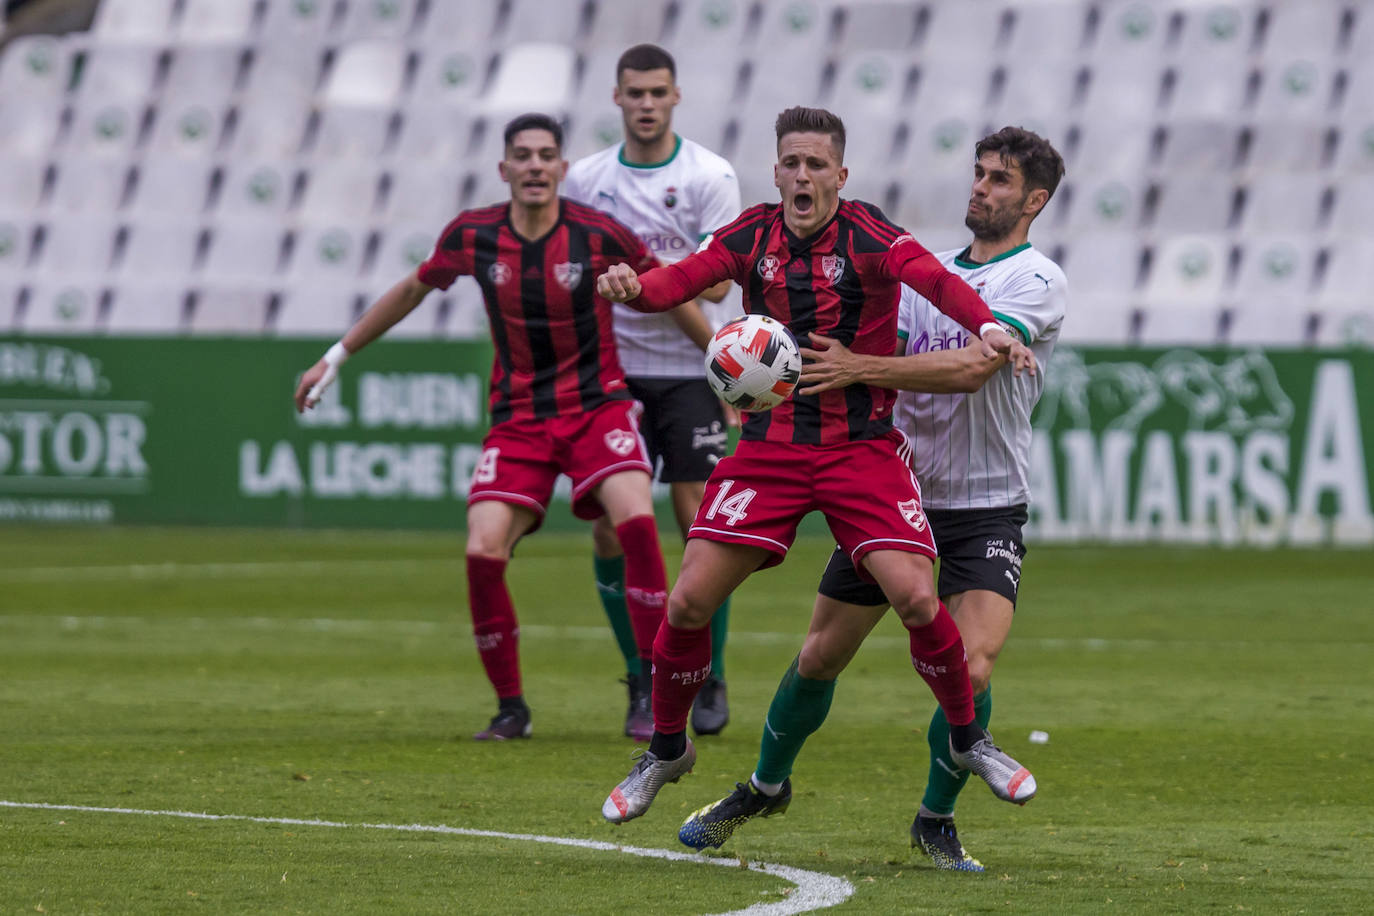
(964, 737)
(512, 704)
(668, 747)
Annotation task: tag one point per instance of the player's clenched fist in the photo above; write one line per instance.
(619, 283)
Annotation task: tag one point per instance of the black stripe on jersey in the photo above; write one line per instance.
(534, 307)
(485, 240)
(876, 233)
(584, 320)
(858, 399)
(742, 235)
(802, 319)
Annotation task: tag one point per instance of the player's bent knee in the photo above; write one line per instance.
(916, 606)
(687, 611)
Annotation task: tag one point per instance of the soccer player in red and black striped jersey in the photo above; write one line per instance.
(559, 403)
(833, 267)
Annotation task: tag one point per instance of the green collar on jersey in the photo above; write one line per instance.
(961, 259)
(677, 146)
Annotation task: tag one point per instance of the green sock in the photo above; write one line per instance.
(799, 707)
(610, 588)
(720, 626)
(946, 780)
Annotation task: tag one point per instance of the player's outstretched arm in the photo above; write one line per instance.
(390, 307)
(828, 364)
(665, 288)
(619, 283)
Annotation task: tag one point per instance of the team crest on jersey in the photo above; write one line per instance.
(911, 511)
(832, 265)
(621, 441)
(768, 267)
(568, 274)
(499, 273)
(670, 198)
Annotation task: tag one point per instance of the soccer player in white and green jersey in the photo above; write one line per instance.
(969, 421)
(673, 193)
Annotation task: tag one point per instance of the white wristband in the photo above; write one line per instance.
(982, 329)
(336, 354)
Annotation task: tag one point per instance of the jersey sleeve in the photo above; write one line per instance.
(449, 260)
(622, 246)
(669, 287)
(910, 262)
(906, 313)
(1031, 303)
(720, 199)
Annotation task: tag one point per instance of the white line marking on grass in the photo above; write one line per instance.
(815, 890)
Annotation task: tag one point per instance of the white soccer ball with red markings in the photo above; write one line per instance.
(753, 363)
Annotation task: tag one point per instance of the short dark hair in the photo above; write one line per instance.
(535, 121)
(801, 120)
(645, 57)
(1040, 162)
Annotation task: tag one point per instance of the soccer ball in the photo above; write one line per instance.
(752, 363)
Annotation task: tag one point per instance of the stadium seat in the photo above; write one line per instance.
(61, 306)
(107, 128)
(940, 148)
(1295, 88)
(317, 310)
(590, 133)
(404, 246)
(1187, 270)
(1354, 202)
(23, 183)
(1110, 146)
(951, 26)
(1047, 29)
(269, 127)
(1099, 320)
(540, 21)
(244, 250)
(1355, 148)
(366, 73)
(187, 128)
(1348, 275)
(934, 201)
(1312, 27)
(1035, 89)
(90, 184)
(30, 128)
(135, 21)
(229, 309)
(429, 321)
(16, 243)
(434, 134)
(1202, 87)
(124, 74)
(1348, 326)
(300, 25)
(37, 68)
(212, 22)
(1276, 146)
(885, 25)
(620, 25)
(1199, 324)
(327, 253)
(353, 132)
(171, 186)
(452, 76)
(1268, 323)
(1102, 264)
(428, 197)
(1130, 29)
(159, 250)
(794, 35)
(209, 74)
(1275, 268)
(255, 190)
(147, 308)
(1287, 203)
(1121, 89)
(1199, 144)
(1189, 202)
(531, 76)
(1221, 32)
(719, 25)
(459, 21)
(80, 247)
(339, 189)
(1102, 202)
(9, 302)
(872, 85)
(283, 72)
(388, 19)
(951, 84)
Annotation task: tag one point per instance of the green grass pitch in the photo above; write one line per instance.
(1211, 722)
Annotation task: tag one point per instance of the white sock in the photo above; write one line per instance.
(767, 788)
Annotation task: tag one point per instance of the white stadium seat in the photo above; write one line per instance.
(871, 84)
(1268, 323)
(450, 76)
(715, 24)
(424, 196)
(212, 22)
(1275, 268)
(878, 25)
(353, 132)
(1187, 270)
(89, 184)
(403, 248)
(119, 73)
(22, 184)
(1296, 88)
(187, 127)
(1278, 146)
(16, 242)
(106, 128)
(255, 190)
(229, 308)
(1308, 27)
(328, 254)
(159, 250)
(538, 20)
(366, 73)
(61, 306)
(171, 186)
(134, 21)
(146, 307)
(1171, 325)
(531, 76)
(9, 303)
(433, 134)
(388, 19)
(36, 68)
(457, 22)
(29, 128)
(241, 251)
(1350, 214)
(316, 310)
(1100, 320)
(342, 190)
(81, 247)
(1103, 202)
(1193, 202)
(210, 74)
(1290, 203)
(1102, 264)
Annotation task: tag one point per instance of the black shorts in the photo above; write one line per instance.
(979, 549)
(683, 426)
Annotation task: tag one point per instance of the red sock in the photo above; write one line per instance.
(682, 663)
(646, 581)
(937, 652)
(494, 625)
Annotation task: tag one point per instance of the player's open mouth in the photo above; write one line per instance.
(802, 203)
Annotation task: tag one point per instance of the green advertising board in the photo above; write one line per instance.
(1250, 447)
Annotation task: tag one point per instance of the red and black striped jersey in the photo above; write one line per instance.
(843, 281)
(555, 348)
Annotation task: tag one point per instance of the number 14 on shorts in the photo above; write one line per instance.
(734, 507)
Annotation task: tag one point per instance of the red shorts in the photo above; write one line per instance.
(866, 489)
(521, 459)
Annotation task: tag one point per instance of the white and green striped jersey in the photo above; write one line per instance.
(972, 451)
(671, 205)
